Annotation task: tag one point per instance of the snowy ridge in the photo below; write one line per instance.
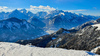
(14, 29)
(95, 49)
(97, 25)
(53, 19)
(13, 23)
(12, 49)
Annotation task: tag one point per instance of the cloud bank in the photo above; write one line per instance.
(32, 8)
(36, 9)
(40, 8)
(3, 8)
(76, 10)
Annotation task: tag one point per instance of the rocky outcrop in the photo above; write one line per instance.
(85, 39)
(39, 42)
(44, 40)
(96, 50)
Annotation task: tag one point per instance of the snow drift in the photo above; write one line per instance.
(12, 49)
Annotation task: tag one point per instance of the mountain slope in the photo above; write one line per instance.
(64, 19)
(37, 22)
(14, 29)
(3, 15)
(28, 13)
(16, 13)
(55, 19)
(44, 40)
(85, 38)
(12, 49)
(97, 21)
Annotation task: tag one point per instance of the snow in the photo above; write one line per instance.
(16, 24)
(40, 38)
(9, 25)
(95, 49)
(97, 25)
(50, 31)
(24, 22)
(21, 11)
(82, 15)
(98, 38)
(59, 39)
(62, 13)
(12, 49)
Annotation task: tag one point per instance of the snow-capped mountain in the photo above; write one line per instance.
(21, 14)
(28, 13)
(16, 13)
(88, 24)
(53, 13)
(64, 19)
(14, 29)
(13, 49)
(41, 14)
(55, 19)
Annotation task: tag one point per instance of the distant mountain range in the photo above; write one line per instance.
(50, 20)
(24, 25)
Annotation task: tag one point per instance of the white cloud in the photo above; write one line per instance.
(76, 10)
(5, 9)
(32, 8)
(36, 9)
(40, 8)
(19, 8)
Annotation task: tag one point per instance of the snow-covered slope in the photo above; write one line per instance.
(96, 50)
(68, 20)
(28, 13)
(37, 22)
(97, 25)
(21, 14)
(41, 14)
(12, 49)
(3, 15)
(53, 19)
(14, 29)
(16, 13)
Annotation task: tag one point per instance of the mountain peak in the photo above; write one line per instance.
(15, 10)
(23, 10)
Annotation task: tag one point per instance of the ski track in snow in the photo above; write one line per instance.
(12, 49)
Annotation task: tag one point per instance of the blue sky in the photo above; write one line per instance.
(90, 7)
